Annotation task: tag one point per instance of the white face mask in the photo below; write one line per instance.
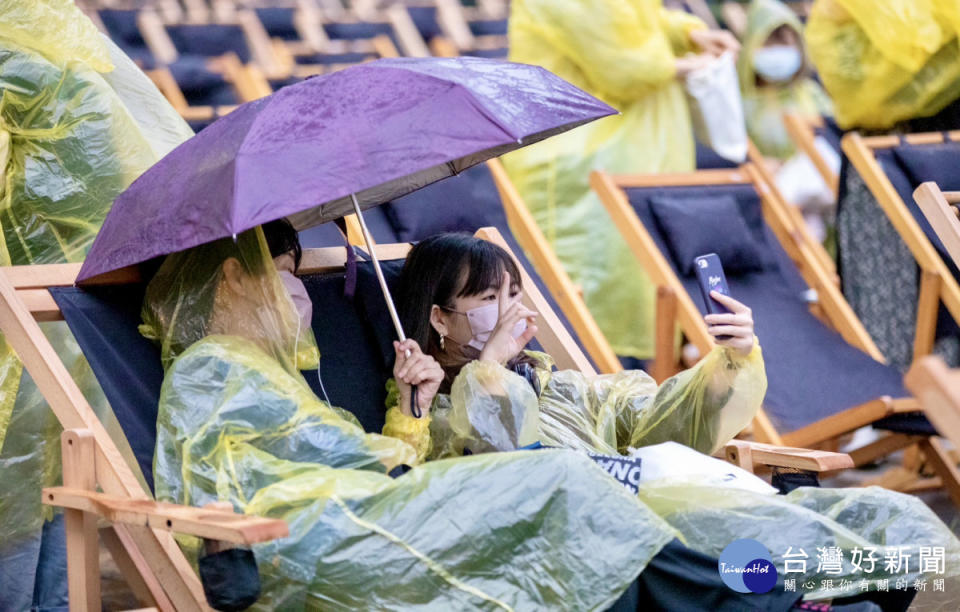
(777, 64)
(483, 319)
(301, 300)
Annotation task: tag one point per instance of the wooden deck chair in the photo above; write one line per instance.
(826, 376)
(104, 317)
(892, 167)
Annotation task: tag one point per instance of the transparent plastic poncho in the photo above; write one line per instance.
(702, 408)
(764, 106)
(78, 123)
(623, 52)
(886, 62)
(238, 423)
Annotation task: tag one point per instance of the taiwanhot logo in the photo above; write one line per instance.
(746, 567)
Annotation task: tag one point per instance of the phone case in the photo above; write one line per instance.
(710, 277)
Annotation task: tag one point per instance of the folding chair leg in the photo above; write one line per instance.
(83, 549)
(939, 459)
(665, 357)
(135, 569)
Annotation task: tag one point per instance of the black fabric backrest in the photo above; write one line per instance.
(359, 30)
(200, 85)
(335, 58)
(209, 40)
(122, 27)
(485, 27)
(708, 159)
(104, 321)
(278, 22)
(425, 18)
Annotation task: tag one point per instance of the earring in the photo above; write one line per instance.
(442, 348)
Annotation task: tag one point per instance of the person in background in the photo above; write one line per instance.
(891, 66)
(633, 54)
(775, 79)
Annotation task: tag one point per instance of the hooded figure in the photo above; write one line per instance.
(78, 123)
(237, 422)
(775, 77)
(886, 62)
(625, 53)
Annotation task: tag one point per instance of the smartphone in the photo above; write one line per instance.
(710, 277)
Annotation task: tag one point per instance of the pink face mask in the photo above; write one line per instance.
(482, 321)
(298, 293)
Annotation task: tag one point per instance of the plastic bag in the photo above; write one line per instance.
(716, 109)
(702, 407)
(886, 62)
(670, 461)
(622, 51)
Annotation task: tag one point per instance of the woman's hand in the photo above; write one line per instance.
(502, 346)
(690, 63)
(738, 325)
(715, 42)
(418, 370)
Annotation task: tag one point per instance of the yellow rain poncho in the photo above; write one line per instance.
(764, 106)
(885, 62)
(78, 123)
(622, 51)
(490, 408)
(238, 423)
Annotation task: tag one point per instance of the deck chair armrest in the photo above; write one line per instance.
(748, 455)
(210, 523)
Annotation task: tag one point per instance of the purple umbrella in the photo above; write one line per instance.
(332, 145)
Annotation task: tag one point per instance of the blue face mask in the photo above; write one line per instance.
(777, 64)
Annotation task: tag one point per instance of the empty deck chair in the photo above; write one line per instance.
(891, 167)
(826, 377)
(105, 318)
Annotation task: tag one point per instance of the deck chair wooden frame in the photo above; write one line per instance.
(831, 308)
(937, 284)
(144, 549)
(938, 389)
(458, 39)
(802, 131)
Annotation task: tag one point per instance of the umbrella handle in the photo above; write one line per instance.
(414, 405)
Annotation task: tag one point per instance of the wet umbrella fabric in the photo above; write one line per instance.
(379, 130)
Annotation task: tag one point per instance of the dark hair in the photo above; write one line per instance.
(443, 268)
(282, 238)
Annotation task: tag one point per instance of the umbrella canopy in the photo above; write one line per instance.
(377, 131)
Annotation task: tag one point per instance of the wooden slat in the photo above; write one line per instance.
(83, 549)
(801, 131)
(408, 36)
(683, 179)
(551, 333)
(780, 456)
(919, 138)
(550, 269)
(333, 259)
(156, 37)
(113, 474)
(942, 217)
(938, 457)
(928, 310)
(896, 211)
(40, 304)
(665, 335)
(798, 226)
(841, 423)
(135, 569)
(202, 522)
(42, 276)
(883, 447)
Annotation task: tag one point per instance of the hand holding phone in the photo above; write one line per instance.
(711, 278)
(729, 321)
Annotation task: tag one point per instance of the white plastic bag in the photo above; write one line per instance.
(670, 461)
(713, 93)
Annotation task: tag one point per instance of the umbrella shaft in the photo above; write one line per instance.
(376, 266)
